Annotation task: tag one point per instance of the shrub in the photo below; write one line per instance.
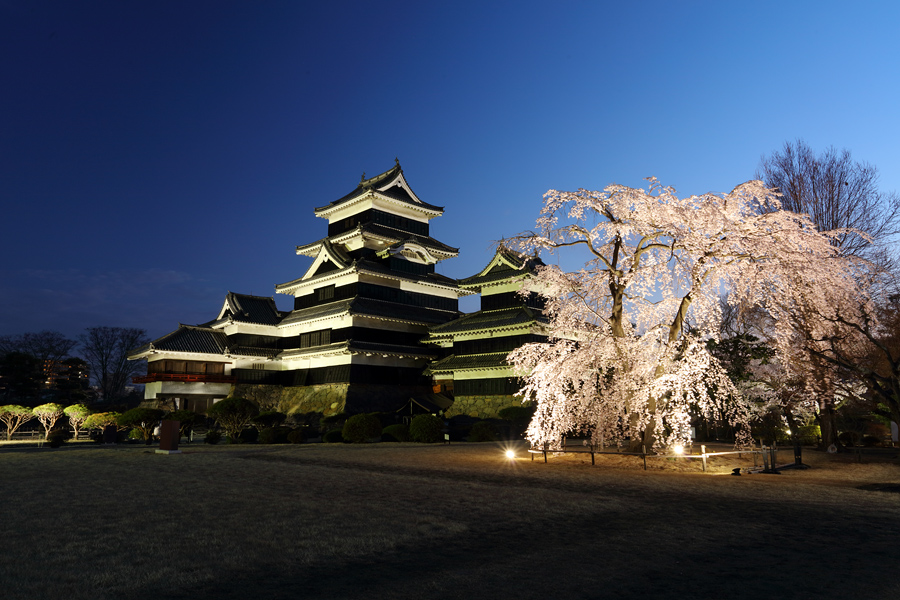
(427, 429)
(460, 426)
(282, 433)
(385, 418)
(187, 420)
(102, 420)
(516, 414)
(871, 440)
(309, 420)
(848, 438)
(213, 436)
(296, 436)
(233, 414)
(483, 431)
(362, 428)
(270, 419)
(267, 435)
(396, 433)
(143, 419)
(335, 421)
(333, 437)
(57, 437)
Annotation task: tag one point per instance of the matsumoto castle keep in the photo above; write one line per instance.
(373, 328)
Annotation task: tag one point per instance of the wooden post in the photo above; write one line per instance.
(644, 454)
(703, 452)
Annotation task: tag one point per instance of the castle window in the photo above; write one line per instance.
(325, 293)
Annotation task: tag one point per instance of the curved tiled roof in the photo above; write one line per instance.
(401, 236)
(368, 307)
(395, 349)
(400, 312)
(188, 338)
(490, 319)
(380, 269)
(317, 312)
(252, 309)
(470, 361)
(394, 192)
(253, 351)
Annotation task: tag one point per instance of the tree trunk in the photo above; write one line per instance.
(826, 419)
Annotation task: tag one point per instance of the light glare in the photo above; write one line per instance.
(510, 454)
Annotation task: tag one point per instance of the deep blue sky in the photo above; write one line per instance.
(154, 156)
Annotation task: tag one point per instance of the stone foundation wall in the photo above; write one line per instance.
(329, 398)
(482, 407)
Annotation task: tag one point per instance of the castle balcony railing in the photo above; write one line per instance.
(185, 378)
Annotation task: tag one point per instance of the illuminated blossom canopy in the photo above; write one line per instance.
(627, 358)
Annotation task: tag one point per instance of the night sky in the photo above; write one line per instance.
(156, 155)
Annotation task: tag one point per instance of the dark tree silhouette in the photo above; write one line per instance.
(106, 349)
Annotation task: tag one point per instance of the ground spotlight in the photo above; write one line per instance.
(679, 449)
(510, 454)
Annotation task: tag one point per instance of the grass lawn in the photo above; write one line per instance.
(418, 521)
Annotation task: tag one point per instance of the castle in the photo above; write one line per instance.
(373, 326)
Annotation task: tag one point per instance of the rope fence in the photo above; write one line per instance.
(768, 454)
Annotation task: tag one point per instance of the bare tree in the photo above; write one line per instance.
(106, 351)
(838, 194)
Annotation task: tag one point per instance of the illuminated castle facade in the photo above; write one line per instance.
(373, 326)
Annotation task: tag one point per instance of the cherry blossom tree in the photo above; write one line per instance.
(622, 362)
(841, 195)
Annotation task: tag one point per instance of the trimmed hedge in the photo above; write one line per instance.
(361, 428)
(516, 413)
(396, 433)
(483, 431)
(333, 437)
(427, 429)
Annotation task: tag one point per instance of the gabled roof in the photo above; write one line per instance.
(334, 251)
(250, 309)
(484, 320)
(505, 265)
(187, 338)
(391, 184)
(431, 403)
